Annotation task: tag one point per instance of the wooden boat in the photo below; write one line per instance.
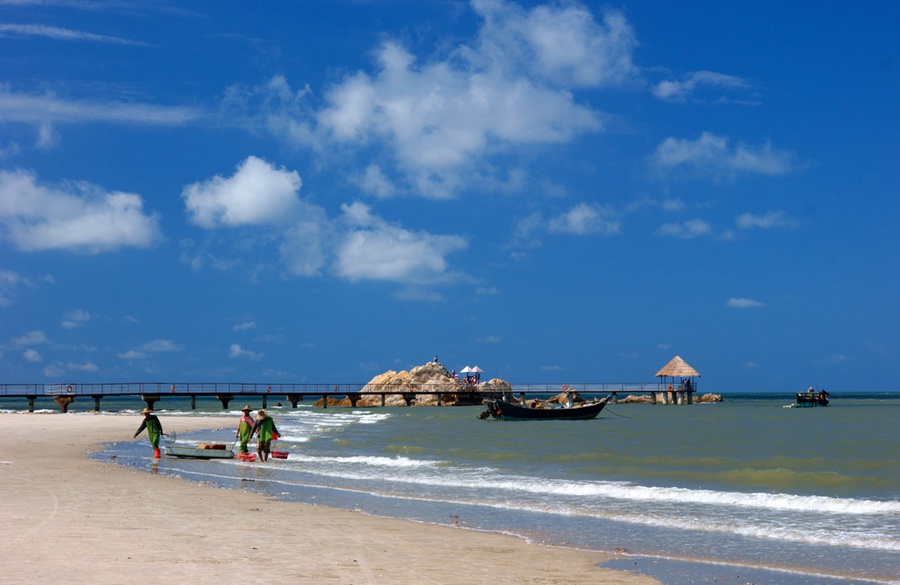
(810, 399)
(503, 410)
(199, 453)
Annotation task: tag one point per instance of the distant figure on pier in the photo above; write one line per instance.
(245, 429)
(154, 430)
(266, 432)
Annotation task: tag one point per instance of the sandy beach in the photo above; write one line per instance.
(69, 519)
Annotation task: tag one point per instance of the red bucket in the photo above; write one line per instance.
(279, 454)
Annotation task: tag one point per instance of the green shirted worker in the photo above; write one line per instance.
(245, 429)
(265, 429)
(154, 430)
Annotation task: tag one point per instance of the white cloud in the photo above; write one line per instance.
(236, 351)
(527, 230)
(31, 338)
(10, 282)
(63, 34)
(711, 155)
(738, 303)
(154, 346)
(160, 345)
(244, 326)
(372, 249)
(75, 216)
(376, 183)
(302, 248)
(48, 137)
(48, 108)
(9, 151)
(439, 121)
(585, 218)
(32, 355)
(692, 228)
(257, 194)
(85, 367)
(676, 91)
(561, 43)
(58, 369)
(75, 318)
(54, 371)
(358, 246)
(418, 294)
(772, 219)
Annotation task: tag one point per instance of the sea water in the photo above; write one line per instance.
(745, 482)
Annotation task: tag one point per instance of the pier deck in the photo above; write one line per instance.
(152, 392)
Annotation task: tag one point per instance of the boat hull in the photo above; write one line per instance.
(503, 410)
(810, 400)
(191, 453)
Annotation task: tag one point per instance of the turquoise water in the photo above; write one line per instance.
(813, 491)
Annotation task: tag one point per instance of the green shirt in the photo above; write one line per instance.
(266, 429)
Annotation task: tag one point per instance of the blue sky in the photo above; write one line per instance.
(321, 191)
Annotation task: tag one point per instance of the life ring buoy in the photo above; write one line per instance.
(669, 387)
(69, 389)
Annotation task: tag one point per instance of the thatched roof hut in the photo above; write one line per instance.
(677, 368)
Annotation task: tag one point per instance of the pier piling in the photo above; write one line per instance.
(64, 402)
(150, 399)
(225, 399)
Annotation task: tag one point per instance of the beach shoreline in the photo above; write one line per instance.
(71, 518)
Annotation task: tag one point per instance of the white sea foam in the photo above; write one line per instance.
(370, 461)
(484, 479)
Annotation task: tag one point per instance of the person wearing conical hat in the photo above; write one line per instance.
(266, 431)
(154, 430)
(245, 428)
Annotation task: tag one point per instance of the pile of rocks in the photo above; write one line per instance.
(647, 399)
(430, 377)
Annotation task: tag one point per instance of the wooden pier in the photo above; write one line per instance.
(155, 392)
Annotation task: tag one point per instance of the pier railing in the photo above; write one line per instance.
(254, 388)
(153, 392)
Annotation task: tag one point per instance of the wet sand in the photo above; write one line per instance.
(69, 519)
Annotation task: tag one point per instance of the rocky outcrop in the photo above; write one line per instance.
(631, 399)
(708, 398)
(660, 399)
(398, 389)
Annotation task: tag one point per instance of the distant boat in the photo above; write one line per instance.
(214, 451)
(503, 410)
(810, 399)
